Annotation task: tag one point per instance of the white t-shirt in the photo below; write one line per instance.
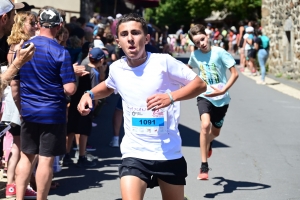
(149, 135)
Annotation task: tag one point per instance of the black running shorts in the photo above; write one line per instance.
(15, 130)
(44, 139)
(170, 171)
(217, 114)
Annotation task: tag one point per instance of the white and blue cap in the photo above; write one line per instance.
(7, 5)
(50, 18)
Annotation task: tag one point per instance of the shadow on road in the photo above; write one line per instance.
(190, 138)
(231, 185)
(73, 180)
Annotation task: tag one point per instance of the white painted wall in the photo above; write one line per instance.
(72, 7)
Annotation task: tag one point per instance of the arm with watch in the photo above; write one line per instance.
(99, 92)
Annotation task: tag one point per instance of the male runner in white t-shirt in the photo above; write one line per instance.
(149, 85)
(212, 63)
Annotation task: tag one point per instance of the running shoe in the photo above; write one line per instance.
(30, 193)
(67, 160)
(10, 190)
(88, 148)
(91, 157)
(114, 143)
(84, 163)
(260, 82)
(209, 153)
(203, 175)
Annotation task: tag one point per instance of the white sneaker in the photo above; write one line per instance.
(114, 143)
(260, 82)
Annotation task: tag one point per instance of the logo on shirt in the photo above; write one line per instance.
(158, 113)
(136, 113)
(209, 73)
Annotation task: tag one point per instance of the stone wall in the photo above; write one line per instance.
(281, 23)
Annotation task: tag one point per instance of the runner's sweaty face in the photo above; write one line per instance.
(201, 41)
(132, 39)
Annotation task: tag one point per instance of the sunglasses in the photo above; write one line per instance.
(32, 24)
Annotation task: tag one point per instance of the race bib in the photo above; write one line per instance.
(149, 122)
(220, 87)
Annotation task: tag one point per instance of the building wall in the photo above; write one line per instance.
(71, 7)
(281, 23)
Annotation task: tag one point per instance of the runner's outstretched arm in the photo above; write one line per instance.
(191, 90)
(100, 91)
(233, 77)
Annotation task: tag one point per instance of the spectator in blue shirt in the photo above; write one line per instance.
(44, 82)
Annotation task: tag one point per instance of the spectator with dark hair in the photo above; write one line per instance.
(81, 22)
(100, 35)
(73, 19)
(112, 56)
(262, 47)
(74, 44)
(62, 36)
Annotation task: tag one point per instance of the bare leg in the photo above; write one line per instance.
(23, 172)
(82, 144)
(77, 139)
(70, 138)
(44, 176)
(242, 58)
(204, 135)
(132, 188)
(13, 160)
(214, 132)
(171, 192)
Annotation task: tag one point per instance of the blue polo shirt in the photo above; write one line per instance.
(41, 82)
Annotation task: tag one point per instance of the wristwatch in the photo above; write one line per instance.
(90, 93)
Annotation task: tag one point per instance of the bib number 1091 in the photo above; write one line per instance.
(148, 122)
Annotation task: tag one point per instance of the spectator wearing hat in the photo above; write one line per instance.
(90, 46)
(26, 7)
(7, 14)
(81, 126)
(43, 83)
(250, 52)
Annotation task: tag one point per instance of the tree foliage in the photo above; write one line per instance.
(178, 12)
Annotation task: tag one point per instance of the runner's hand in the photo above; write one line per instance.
(158, 101)
(215, 93)
(85, 105)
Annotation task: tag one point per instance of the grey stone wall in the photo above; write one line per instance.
(281, 23)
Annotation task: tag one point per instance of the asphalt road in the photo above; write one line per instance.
(256, 156)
